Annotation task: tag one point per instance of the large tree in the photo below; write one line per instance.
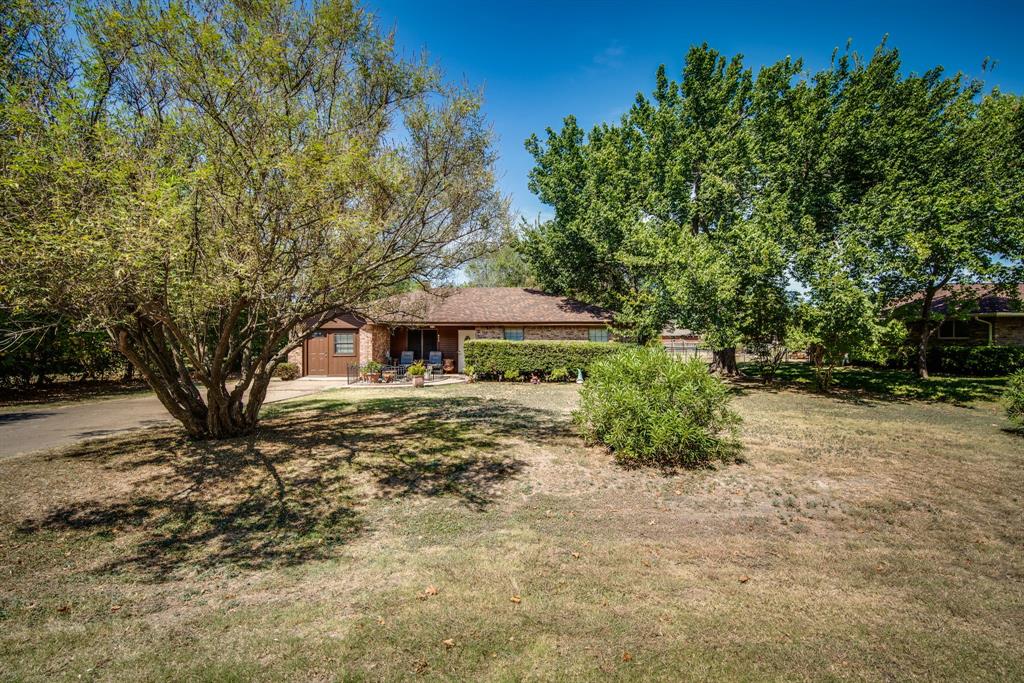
(654, 216)
(943, 215)
(217, 179)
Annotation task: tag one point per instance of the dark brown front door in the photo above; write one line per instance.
(316, 354)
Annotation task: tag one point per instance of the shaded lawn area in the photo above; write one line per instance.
(892, 385)
(466, 532)
(69, 391)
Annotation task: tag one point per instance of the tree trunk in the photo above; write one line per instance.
(922, 354)
(925, 333)
(724, 362)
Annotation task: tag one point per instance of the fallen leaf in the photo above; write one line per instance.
(626, 657)
(744, 578)
(430, 590)
(516, 599)
(64, 608)
(114, 608)
(448, 643)
(576, 555)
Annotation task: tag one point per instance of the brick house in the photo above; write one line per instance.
(978, 315)
(443, 321)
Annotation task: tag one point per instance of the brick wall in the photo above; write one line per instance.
(1009, 331)
(374, 342)
(538, 333)
(295, 356)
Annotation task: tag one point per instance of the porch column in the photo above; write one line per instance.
(374, 343)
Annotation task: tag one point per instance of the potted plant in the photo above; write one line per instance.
(416, 371)
(372, 371)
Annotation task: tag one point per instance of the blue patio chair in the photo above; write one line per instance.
(434, 361)
(406, 359)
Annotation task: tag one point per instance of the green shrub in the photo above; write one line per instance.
(558, 375)
(372, 367)
(286, 371)
(511, 375)
(417, 369)
(493, 357)
(1015, 398)
(651, 409)
(981, 361)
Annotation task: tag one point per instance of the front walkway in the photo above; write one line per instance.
(40, 427)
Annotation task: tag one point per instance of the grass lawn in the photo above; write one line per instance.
(466, 532)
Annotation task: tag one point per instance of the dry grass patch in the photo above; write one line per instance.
(466, 532)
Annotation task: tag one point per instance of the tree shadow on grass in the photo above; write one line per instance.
(867, 385)
(294, 491)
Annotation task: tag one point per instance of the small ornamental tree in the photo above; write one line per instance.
(209, 182)
(838, 321)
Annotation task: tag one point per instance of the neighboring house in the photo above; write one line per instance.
(680, 341)
(422, 322)
(983, 316)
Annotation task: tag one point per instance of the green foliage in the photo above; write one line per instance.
(493, 358)
(838, 320)
(653, 410)
(511, 375)
(372, 367)
(502, 266)
(711, 196)
(1014, 398)
(978, 361)
(417, 369)
(558, 375)
(44, 346)
(287, 371)
(470, 370)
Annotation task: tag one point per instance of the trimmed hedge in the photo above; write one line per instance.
(496, 357)
(981, 361)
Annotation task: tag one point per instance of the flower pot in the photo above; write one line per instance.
(417, 381)
(449, 365)
(374, 377)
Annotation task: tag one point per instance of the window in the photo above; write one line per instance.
(598, 334)
(953, 329)
(345, 344)
(421, 343)
(513, 334)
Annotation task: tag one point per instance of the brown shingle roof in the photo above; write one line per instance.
(978, 298)
(487, 305)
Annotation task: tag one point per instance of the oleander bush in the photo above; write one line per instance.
(651, 409)
(1014, 397)
(492, 358)
(287, 371)
(981, 361)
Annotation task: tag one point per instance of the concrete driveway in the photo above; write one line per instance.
(37, 428)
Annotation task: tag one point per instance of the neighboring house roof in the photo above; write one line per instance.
(983, 298)
(488, 305)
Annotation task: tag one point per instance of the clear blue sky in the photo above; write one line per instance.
(539, 61)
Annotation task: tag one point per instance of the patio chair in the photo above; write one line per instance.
(406, 359)
(435, 362)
